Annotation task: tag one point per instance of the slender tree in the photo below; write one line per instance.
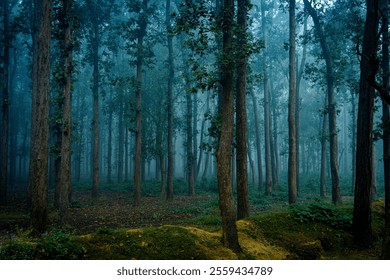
(362, 229)
(386, 125)
(241, 133)
(332, 113)
(64, 184)
(142, 24)
(5, 105)
(169, 192)
(292, 157)
(224, 150)
(40, 115)
(267, 106)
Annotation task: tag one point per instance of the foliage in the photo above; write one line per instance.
(322, 212)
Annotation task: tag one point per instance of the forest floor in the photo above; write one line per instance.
(312, 230)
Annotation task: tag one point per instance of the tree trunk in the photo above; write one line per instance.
(292, 157)
(332, 112)
(362, 229)
(224, 150)
(298, 99)
(190, 162)
(40, 116)
(65, 165)
(323, 154)
(386, 132)
(267, 107)
(138, 115)
(169, 192)
(95, 42)
(5, 117)
(121, 141)
(241, 148)
(258, 142)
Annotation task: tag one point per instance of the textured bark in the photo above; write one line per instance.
(241, 148)
(361, 224)
(332, 113)
(267, 107)
(258, 143)
(64, 183)
(5, 106)
(323, 155)
(386, 132)
(109, 141)
(298, 99)
(169, 191)
(40, 116)
(138, 113)
(121, 140)
(292, 157)
(190, 162)
(95, 42)
(224, 150)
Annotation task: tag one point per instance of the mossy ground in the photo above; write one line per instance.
(188, 228)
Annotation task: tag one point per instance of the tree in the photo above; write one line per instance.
(169, 192)
(292, 157)
(4, 82)
(361, 224)
(267, 106)
(66, 41)
(241, 133)
(224, 149)
(386, 125)
(332, 113)
(40, 115)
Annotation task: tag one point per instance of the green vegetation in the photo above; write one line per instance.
(308, 230)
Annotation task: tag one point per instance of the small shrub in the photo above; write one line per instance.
(16, 250)
(319, 211)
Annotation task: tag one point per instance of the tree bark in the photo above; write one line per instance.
(65, 165)
(323, 154)
(40, 116)
(267, 107)
(138, 115)
(241, 133)
(190, 162)
(361, 224)
(292, 157)
(332, 113)
(258, 143)
(5, 106)
(224, 150)
(386, 125)
(169, 192)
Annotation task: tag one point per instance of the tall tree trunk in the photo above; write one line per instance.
(121, 141)
(65, 165)
(138, 115)
(169, 192)
(353, 138)
(362, 229)
(323, 153)
(241, 148)
(5, 117)
(267, 107)
(292, 150)
(95, 42)
(386, 125)
(224, 150)
(258, 142)
(190, 162)
(40, 116)
(109, 141)
(298, 99)
(332, 112)
(195, 136)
